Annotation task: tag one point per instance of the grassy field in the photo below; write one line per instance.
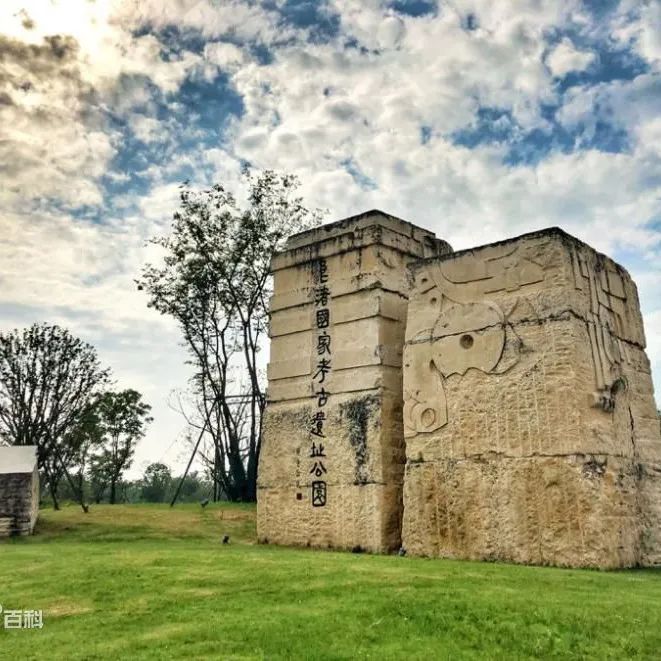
(140, 581)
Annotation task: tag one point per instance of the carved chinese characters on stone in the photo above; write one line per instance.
(320, 297)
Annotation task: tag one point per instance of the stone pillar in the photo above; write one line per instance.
(530, 422)
(332, 457)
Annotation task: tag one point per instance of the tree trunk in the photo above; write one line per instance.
(53, 494)
(113, 491)
(52, 487)
(252, 478)
(81, 482)
(216, 481)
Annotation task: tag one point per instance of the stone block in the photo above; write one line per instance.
(528, 407)
(332, 457)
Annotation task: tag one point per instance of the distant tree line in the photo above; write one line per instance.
(55, 395)
(157, 485)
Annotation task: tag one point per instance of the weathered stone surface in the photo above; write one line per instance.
(19, 490)
(530, 424)
(494, 403)
(568, 510)
(360, 320)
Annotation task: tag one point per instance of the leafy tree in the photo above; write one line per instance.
(123, 417)
(48, 378)
(83, 440)
(98, 479)
(156, 483)
(215, 282)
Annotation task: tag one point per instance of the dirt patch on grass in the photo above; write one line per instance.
(193, 592)
(166, 631)
(66, 608)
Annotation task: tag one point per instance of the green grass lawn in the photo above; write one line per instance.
(140, 581)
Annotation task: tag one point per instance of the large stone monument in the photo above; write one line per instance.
(332, 458)
(526, 418)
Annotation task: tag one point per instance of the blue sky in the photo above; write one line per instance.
(476, 119)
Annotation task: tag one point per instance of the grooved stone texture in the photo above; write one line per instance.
(19, 490)
(494, 403)
(531, 429)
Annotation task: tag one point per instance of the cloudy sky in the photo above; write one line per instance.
(474, 118)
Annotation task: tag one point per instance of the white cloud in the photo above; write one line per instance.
(242, 20)
(637, 23)
(631, 106)
(375, 111)
(565, 58)
(390, 32)
(312, 109)
(649, 39)
(224, 55)
(146, 128)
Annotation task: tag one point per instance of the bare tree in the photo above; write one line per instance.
(202, 440)
(48, 378)
(215, 282)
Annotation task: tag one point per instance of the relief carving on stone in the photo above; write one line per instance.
(606, 322)
(463, 334)
(499, 268)
(425, 406)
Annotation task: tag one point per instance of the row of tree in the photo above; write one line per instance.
(55, 395)
(214, 280)
(157, 485)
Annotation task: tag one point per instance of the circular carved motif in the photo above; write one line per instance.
(428, 417)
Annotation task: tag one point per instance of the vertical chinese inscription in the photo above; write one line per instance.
(322, 322)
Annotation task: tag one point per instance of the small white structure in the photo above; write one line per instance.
(19, 490)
